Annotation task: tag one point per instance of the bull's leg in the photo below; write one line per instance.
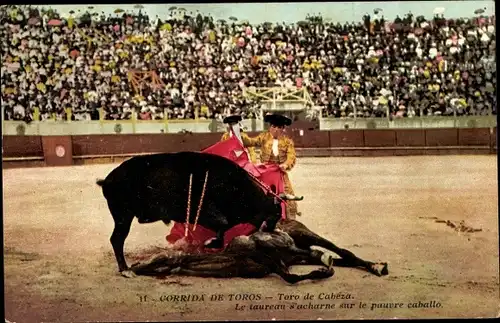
(123, 221)
(221, 224)
(305, 238)
(214, 219)
(217, 242)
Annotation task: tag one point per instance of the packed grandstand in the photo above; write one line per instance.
(200, 66)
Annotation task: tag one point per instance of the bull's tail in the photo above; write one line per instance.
(100, 182)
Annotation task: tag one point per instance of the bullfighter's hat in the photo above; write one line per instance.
(278, 120)
(232, 119)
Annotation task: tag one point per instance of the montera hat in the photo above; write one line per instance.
(277, 120)
(232, 119)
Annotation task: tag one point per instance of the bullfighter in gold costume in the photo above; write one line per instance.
(233, 122)
(278, 149)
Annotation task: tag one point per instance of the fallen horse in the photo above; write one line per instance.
(262, 254)
(254, 256)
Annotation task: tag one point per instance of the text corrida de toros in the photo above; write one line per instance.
(203, 297)
(183, 298)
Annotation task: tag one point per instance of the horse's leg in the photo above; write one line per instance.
(319, 258)
(199, 273)
(159, 265)
(310, 257)
(305, 239)
(219, 265)
(244, 268)
(278, 267)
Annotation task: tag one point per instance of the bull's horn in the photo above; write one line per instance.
(290, 197)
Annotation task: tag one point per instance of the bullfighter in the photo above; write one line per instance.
(233, 122)
(277, 148)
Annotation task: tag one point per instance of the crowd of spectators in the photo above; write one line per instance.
(80, 63)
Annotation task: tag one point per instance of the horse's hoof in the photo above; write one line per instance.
(323, 273)
(380, 269)
(327, 260)
(330, 263)
(128, 273)
(385, 270)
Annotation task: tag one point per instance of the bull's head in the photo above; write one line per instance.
(269, 224)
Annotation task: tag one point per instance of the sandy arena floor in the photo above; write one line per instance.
(59, 264)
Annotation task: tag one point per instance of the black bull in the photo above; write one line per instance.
(156, 187)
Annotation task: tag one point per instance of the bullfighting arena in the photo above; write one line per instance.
(59, 264)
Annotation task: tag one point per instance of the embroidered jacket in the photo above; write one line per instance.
(286, 149)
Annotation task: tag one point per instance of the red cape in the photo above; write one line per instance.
(269, 174)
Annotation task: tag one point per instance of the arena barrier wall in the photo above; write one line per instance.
(23, 151)
(493, 140)
(103, 127)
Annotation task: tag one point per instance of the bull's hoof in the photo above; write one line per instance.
(379, 269)
(128, 273)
